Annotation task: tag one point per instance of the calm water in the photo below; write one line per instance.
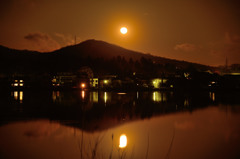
(157, 125)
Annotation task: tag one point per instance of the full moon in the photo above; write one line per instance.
(123, 30)
(123, 141)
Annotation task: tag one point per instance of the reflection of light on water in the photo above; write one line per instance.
(16, 95)
(123, 141)
(21, 96)
(212, 96)
(121, 93)
(95, 97)
(105, 97)
(137, 95)
(83, 94)
(186, 103)
(159, 97)
(55, 95)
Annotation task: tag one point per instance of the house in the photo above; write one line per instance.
(105, 82)
(158, 83)
(66, 80)
(94, 83)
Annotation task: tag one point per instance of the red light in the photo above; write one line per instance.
(83, 85)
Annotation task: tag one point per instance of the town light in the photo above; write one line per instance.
(83, 85)
(83, 94)
(105, 81)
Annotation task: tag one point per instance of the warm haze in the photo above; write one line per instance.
(201, 31)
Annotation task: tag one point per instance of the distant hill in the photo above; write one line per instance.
(98, 55)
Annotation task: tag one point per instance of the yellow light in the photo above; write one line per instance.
(159, 97)
(212, 96)
(21, 95)
(105, 97)
(21, 81)
(83, 94)
(15, 84)
(121, 93)
(21, 84)
(16, 95)
(95, 97)
(123, 141)
(123, 30)
(156, 83)
(54, 97)
(105, 81)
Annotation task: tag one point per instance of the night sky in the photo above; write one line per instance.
(202, 31)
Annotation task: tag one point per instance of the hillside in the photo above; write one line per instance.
(98, 55)
(99, 49)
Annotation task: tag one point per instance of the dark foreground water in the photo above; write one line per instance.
(155, 125)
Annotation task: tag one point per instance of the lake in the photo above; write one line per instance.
(131, 125)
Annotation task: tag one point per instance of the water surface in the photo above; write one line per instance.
(80, 124)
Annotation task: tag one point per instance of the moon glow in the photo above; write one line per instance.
(123, 141)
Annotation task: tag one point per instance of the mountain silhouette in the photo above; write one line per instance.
(98, 55)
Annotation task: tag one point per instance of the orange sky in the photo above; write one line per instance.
(202, 31)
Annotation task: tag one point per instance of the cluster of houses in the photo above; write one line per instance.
(74, 81)
(84, 79)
